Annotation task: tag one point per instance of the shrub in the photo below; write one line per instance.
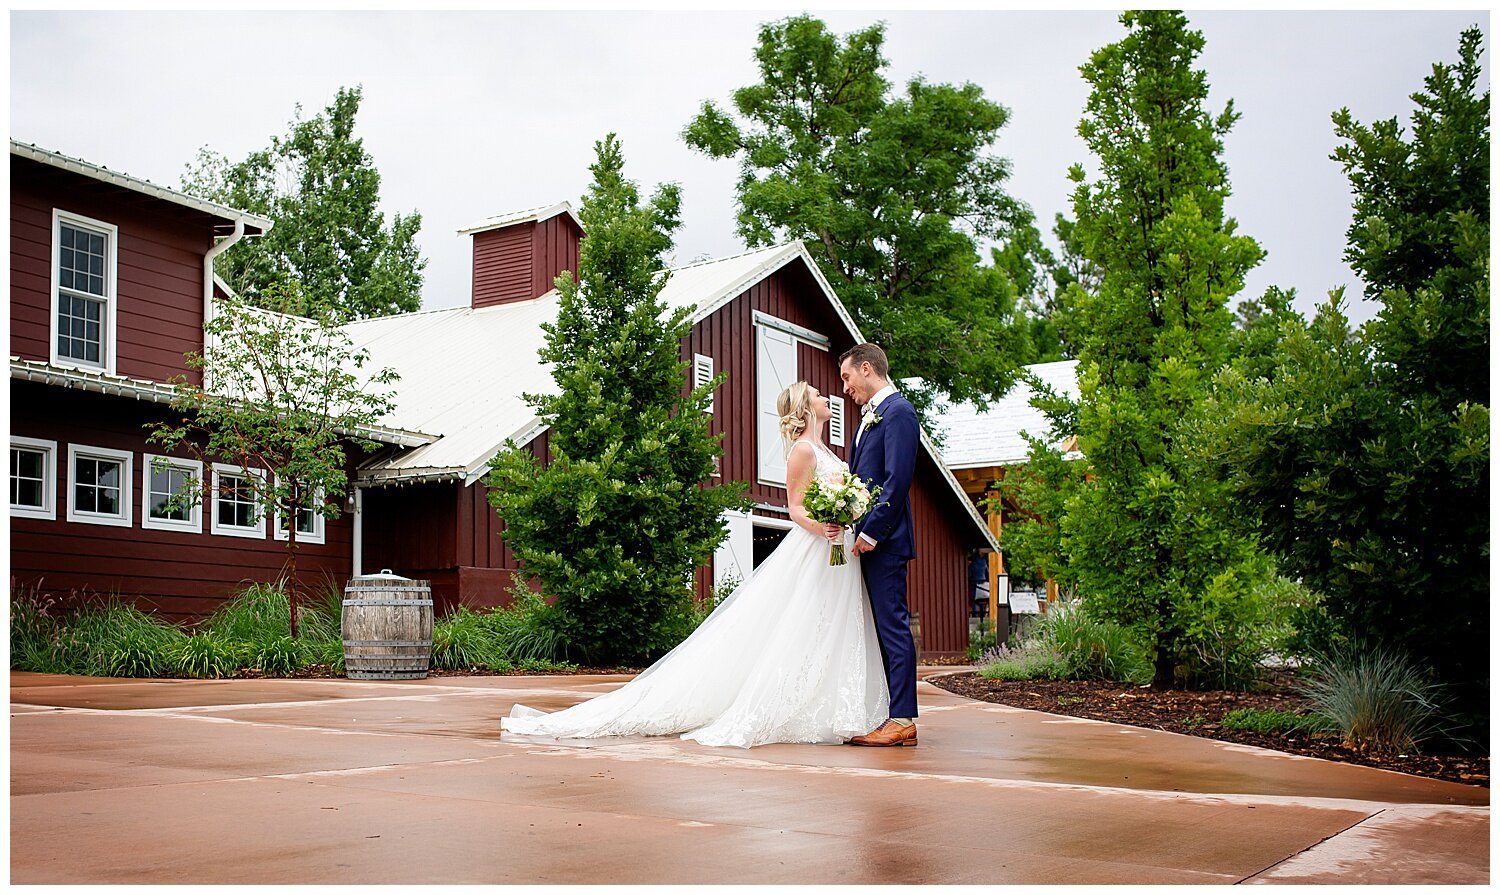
(1376, 698)
(1272, 722)
(33, 629)
(207, 655)
(282, 655)
(109, 639)
(142, 651)
(1023, 663)
(528, 630)
(1091, 649)
(461, 639)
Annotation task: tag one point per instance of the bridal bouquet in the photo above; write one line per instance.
(840, 498)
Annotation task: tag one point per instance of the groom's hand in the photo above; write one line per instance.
(862, 546)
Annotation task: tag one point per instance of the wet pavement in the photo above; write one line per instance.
(333, 781)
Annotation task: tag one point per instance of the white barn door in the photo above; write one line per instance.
(775, 369)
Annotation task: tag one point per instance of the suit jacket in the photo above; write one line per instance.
(886, 455)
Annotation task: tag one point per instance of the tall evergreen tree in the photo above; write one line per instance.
(1362, 455)
(891, 194)
(615, 524)
(1145, 536)
(322, 190)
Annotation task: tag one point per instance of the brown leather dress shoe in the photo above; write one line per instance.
(888, 734)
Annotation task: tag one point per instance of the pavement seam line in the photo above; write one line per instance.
(1328, 838)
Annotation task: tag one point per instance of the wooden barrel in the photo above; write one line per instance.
(387, 627)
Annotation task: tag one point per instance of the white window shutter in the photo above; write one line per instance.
(703, 374)
(775, 369)
(836, 423)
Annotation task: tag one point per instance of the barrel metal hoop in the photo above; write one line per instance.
(387, 643)
(388, 603)
(389, 590)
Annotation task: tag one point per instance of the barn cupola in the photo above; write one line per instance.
(518, 255)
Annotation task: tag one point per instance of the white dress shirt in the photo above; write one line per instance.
(872, 407)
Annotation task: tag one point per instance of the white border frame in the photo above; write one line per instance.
(48, 509)
(234, 531)
(702, 363)
(127, 485)
(194, 522)
(109, 340)
(320, 524)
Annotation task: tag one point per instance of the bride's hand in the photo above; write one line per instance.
(833, 532)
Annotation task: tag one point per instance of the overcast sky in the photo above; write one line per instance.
(470, 114)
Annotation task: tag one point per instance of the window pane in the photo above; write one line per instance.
(83, 498)
(67, 236)
(109, 474)
(27, 464)
(86, 472)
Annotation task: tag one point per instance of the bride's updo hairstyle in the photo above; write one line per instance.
(795, 406)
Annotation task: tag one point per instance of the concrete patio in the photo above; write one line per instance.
(332, 781)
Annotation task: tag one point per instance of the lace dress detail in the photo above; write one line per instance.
(790, 657)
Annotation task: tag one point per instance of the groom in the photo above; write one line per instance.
(885, 454)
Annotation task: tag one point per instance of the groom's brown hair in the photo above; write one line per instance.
(868, 351)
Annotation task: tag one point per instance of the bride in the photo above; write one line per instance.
(790, 657)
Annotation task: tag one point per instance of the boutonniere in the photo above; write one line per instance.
(872, 419)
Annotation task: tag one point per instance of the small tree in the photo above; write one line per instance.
(615, 523)
(281, 394)
(1145, 535)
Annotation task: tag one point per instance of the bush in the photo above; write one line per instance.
(1023, 663)
(111, 639)
(461, 639)
(206, 655)
(33, 629)
(528, 630)
(1091, 649)
(1376, 698)
(1271, 721)
(282, 655)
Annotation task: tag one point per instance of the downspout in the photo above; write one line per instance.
(208, 274)
(359, 533)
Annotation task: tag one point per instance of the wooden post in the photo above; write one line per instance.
(997, 566)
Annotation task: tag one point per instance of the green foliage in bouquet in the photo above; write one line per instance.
(841, 504)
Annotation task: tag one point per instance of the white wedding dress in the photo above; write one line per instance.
(790, 657)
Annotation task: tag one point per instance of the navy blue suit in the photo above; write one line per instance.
(886, 455)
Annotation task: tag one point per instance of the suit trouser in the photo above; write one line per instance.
(885, 579)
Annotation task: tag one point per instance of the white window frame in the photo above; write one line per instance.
(48, 449)
(257, 531)
(703, 374)
(836, 423)
(194, 468)
(124, 519)
(109, 316)
(319, 534)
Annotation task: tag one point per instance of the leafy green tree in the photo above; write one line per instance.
(281, 396)
(615, 523)
(321, 189)
(890, 193)
(1363, 454)
(1145, 536)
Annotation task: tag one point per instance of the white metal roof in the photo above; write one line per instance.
(463, 371)
(993, 437)
(539, 213)
(97, 172)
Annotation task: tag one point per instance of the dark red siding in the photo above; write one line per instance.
(502, 266)
(520, 262)
(555, 249)
(182, 575)
(159, 268)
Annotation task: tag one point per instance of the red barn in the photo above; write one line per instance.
(766, 318)
(110, 280)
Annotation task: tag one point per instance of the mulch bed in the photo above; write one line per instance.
(1199, 713)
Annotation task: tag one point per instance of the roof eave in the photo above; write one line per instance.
(136, 184)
